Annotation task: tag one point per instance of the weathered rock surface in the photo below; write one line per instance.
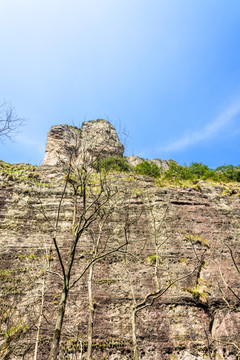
(183, 245)
(196, 318)
(95, 139)
(135, 160)
(162, 164)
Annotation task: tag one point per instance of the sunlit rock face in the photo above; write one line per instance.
(181, 240)
(135, 160)
(197, 316)
(162, 164)
(94, 139)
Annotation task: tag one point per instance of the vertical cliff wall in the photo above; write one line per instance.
(182, 246)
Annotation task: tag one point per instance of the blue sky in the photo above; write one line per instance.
(166, 70)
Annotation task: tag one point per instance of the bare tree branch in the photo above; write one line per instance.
(9, 121)
(154, 295)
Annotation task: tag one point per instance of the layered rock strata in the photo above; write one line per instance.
(165, 277)
(194, 229)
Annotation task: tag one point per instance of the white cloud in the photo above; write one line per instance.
(210, 130)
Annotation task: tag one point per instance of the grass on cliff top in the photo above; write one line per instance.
(11, 174)
(73, 127)
(176, 175)
(120, 164)
(200, 171)
(16, 167)
(197, 173)
(112, 164)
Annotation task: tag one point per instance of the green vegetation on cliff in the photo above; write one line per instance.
(199, 171)
(148, 168)
(112, 163)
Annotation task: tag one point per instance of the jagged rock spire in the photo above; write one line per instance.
(96, 138)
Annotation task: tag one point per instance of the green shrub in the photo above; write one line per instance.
(148, 168)
(195, 171)
(113, 163)
(228, 173)
(200, 171)
(178, 172)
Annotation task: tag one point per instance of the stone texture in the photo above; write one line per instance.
(95, 139)
(179, 324)
(135, 160)
(194, 229)
(162, 164)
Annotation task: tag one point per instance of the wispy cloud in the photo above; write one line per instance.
(210, 130)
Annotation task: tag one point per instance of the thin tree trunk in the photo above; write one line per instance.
(134, 325)
(156, 267)
(58, 327)
(134, 336)
(91, 313)
(40, 320)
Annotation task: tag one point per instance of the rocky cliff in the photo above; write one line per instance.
(94, 139)
(171, 253)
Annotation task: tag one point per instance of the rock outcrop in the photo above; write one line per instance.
(180, 264)
(135, 160)
(162, 164)
(94, 139)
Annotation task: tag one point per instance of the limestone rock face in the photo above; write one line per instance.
(162, 164)
(60, 142)
(135, 160)
(183, 241)
(95, 139)
(197, 316)
(99, 138)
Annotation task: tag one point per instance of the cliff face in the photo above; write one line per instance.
(94, 139)
(182, 246)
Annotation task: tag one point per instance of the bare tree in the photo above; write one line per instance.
(99, 244)
(91, 193)
(156, 269)
(19, 306)
(9, 121)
